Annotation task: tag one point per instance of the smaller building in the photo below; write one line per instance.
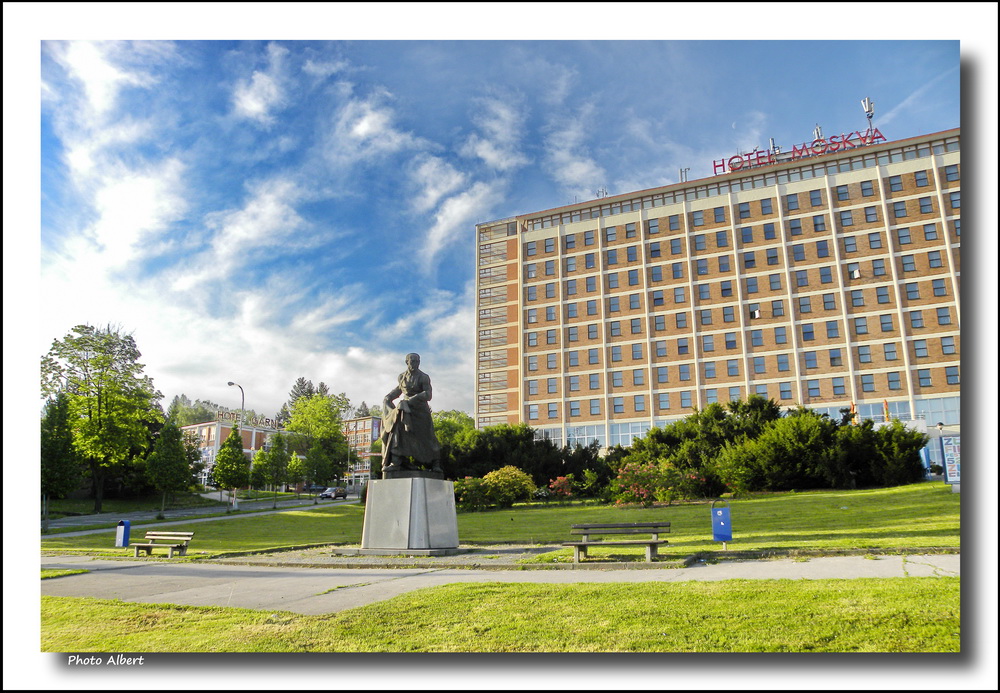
(361, 433)
(211, 435)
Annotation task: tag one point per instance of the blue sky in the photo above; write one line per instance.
(257, 210)
(261, 210)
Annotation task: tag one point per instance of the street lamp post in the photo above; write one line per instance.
(243, 401)
(940, 428)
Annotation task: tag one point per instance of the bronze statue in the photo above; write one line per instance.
(407, 429)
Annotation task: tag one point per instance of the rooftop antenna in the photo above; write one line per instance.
(682, 177)
(603, 192)
(818, 132)
(775, 149)
(869, 107)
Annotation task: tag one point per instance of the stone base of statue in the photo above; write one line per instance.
(410, 515)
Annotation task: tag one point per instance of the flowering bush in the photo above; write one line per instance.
(562, 486)
(637, 482)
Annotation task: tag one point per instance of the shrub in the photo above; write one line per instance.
(637, 482)
(471, 494)
(562, 486)
(507, 485)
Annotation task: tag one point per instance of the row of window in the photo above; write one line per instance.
(813, 389)
(683, 347)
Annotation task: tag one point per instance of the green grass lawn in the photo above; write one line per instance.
(918, 516)
(861, 615)
(115, 506)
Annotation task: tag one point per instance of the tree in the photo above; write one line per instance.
(232, 468)
(112, 403)
(168, 466)
(183, 412)
(297, 471)
(362, 410)
(319, 418)
(275, 463)
(60, 465)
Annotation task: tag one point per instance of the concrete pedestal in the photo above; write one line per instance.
(416, 513)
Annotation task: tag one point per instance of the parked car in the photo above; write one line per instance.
(315, 488)
(334, 492)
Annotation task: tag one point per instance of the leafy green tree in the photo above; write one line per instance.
(258, 470)
(183, 412)
(61, 469)
(297, 471)
(112, 403)
(275, 464)
(232, 468)
(319, 466)
(319, 417)
(168, 465)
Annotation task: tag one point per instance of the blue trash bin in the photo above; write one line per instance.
(121, 536)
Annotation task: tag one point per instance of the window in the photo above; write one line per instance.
(656, 273)
(661, 348)
(734, 393)
(805, 304)
(836, 359)
(798, 252)
(812, 387)
(722, 239)
(532, 411)
(632, 253)
(934, 258)
(912, 290)
(842, 193)
(778, 308)
(916, 319)
(829, 302)
(930, 232)
(653, 226)
(732, 367)
(839, 388)
(730, 340)
(850, 244)
(728, 314)
(570, 241)
(573, 358)
(551, 385)
(532, 363)
(727, 288)
(943, 316)
(683, 346)
(659, 323)
(654, 250)
(815, 198)
(630, 230)
(698, 218)
(864, 354)
(617, 380)
(920, 348)
(591, 307)
(765, 206)
(616, 353)
(874, 240)
(531, 248)
(592, 283)
(639, 377)
(633, 301)
(616, 328)
(699, 242)
(920, 178)
(709, 370)
(867, 188)
(857, 297)
(926, 205)
(847, 218)
(571, 310)
(758, 365)
(612, 256)
(885, 322)
(825, 275)
(808, 334)
(678, 270)
(783, 362)
(574, 383)
(751, 285)
(903, 236)
(639, 402)
(636, 326)
(633, 277)
(684, 371)
(892, 380)
(878, 268)
(702, 267)
(720, 214)
(951, 375)
(749, 260)
(531, 293)
(661, 374)
(686, 399)
(785, 390)
(674, 222)
(908, 264)
(595, 407)
(801, 278)
(822, 249)
(571, 264)
(757, 337)
(708, 342)
(744, 209)
(663, 400)
(746, 233)
(889, 352)
(951, 172)
(574, 408)
(711, 395)
(550, 335)
(833, 328)
(947, 345)
(899, 209)
(895, 183)
(924, 377)
(681, 320)
(550, 289)
(795, 227)
(868, 383)
(591, 331)
(791, 201)
(636, 352)
(769, 232)
(724, 263)
(871, 214)
(588, 238)
(550, 361)
(611, 233)
(705, 316)
(532, 315)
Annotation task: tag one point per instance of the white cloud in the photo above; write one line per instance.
(364, 129)
(324, 68)
(567, 159)
(456, 216)
(435, 178)
(502, 123)
(102, 78)
(256, 97)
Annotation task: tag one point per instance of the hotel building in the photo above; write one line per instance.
(827, 277)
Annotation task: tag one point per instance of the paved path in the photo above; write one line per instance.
(319, 590)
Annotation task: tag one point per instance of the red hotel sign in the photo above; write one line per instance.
(823, 145)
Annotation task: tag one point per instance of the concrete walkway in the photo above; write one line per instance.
(322, 590)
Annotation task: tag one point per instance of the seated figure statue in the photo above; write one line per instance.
(407, 428)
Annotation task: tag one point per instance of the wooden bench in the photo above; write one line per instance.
(653, 529)
(171, 541)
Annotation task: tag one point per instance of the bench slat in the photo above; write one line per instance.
(636, 530)
(617, 525)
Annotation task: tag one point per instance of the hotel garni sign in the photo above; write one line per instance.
(822, 145)
(256, 421)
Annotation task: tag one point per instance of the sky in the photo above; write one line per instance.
(292, 191)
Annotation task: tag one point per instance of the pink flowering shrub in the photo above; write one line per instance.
(562, 486)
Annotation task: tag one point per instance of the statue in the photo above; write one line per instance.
(407, 429)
